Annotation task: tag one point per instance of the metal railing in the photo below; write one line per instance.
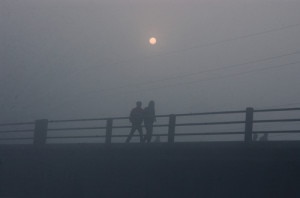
(8, 131)
(41, 131)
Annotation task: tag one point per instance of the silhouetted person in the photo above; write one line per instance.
(136, 118)
(149, 119)
(264, 137)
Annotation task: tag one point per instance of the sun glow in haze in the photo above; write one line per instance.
(152, 40)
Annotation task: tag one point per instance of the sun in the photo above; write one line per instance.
(152, 40)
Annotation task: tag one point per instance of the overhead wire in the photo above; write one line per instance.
(216, 78)
(197, 73)
(204, 45)
(200, 80)
(204, 71)
(200, 46)
(197, 46)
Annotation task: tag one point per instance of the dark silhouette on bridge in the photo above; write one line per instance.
(136, 119)
(164, 168)
(39, 132)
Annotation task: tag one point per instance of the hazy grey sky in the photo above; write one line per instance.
(91, 58)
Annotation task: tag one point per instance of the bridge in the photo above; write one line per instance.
(169, 128)
(228, 155)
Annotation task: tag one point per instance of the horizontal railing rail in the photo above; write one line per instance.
(210, 113)
(107, 129)
(280, 109)
(276, 120)
(16, 124)
(19, 131)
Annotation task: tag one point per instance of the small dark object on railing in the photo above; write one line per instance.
(264, 137)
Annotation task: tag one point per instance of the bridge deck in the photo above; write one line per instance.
(221, 169)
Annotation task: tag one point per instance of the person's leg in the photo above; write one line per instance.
(148, 127)
(150, 131)
(133, 128)
(140, 130)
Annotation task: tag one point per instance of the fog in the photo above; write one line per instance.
(64, 59)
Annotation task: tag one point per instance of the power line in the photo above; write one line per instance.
(198, 46)
(217, 78)
(206, 71)
(230, 39)
(214, 78)
(214, 43)
(201, 80)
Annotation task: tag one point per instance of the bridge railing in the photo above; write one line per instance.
(45, 131)
(277, 122)
(17, 132)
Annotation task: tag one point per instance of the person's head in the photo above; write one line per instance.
(139, 104)
(151, 104)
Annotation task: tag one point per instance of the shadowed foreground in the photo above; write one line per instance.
(259, 169)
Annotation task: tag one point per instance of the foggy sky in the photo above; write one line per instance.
(91, 58)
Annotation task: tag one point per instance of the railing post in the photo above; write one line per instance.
(109, 123)
(40, 132)
(249, 124)
(171, 130)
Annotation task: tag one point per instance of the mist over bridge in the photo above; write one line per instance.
(172, 167)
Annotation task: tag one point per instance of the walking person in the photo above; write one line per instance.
(149, 119)
(136, 118)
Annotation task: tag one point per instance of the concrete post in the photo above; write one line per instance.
(109, 123)
(171, 130)
(249, 124)
(40, 132)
